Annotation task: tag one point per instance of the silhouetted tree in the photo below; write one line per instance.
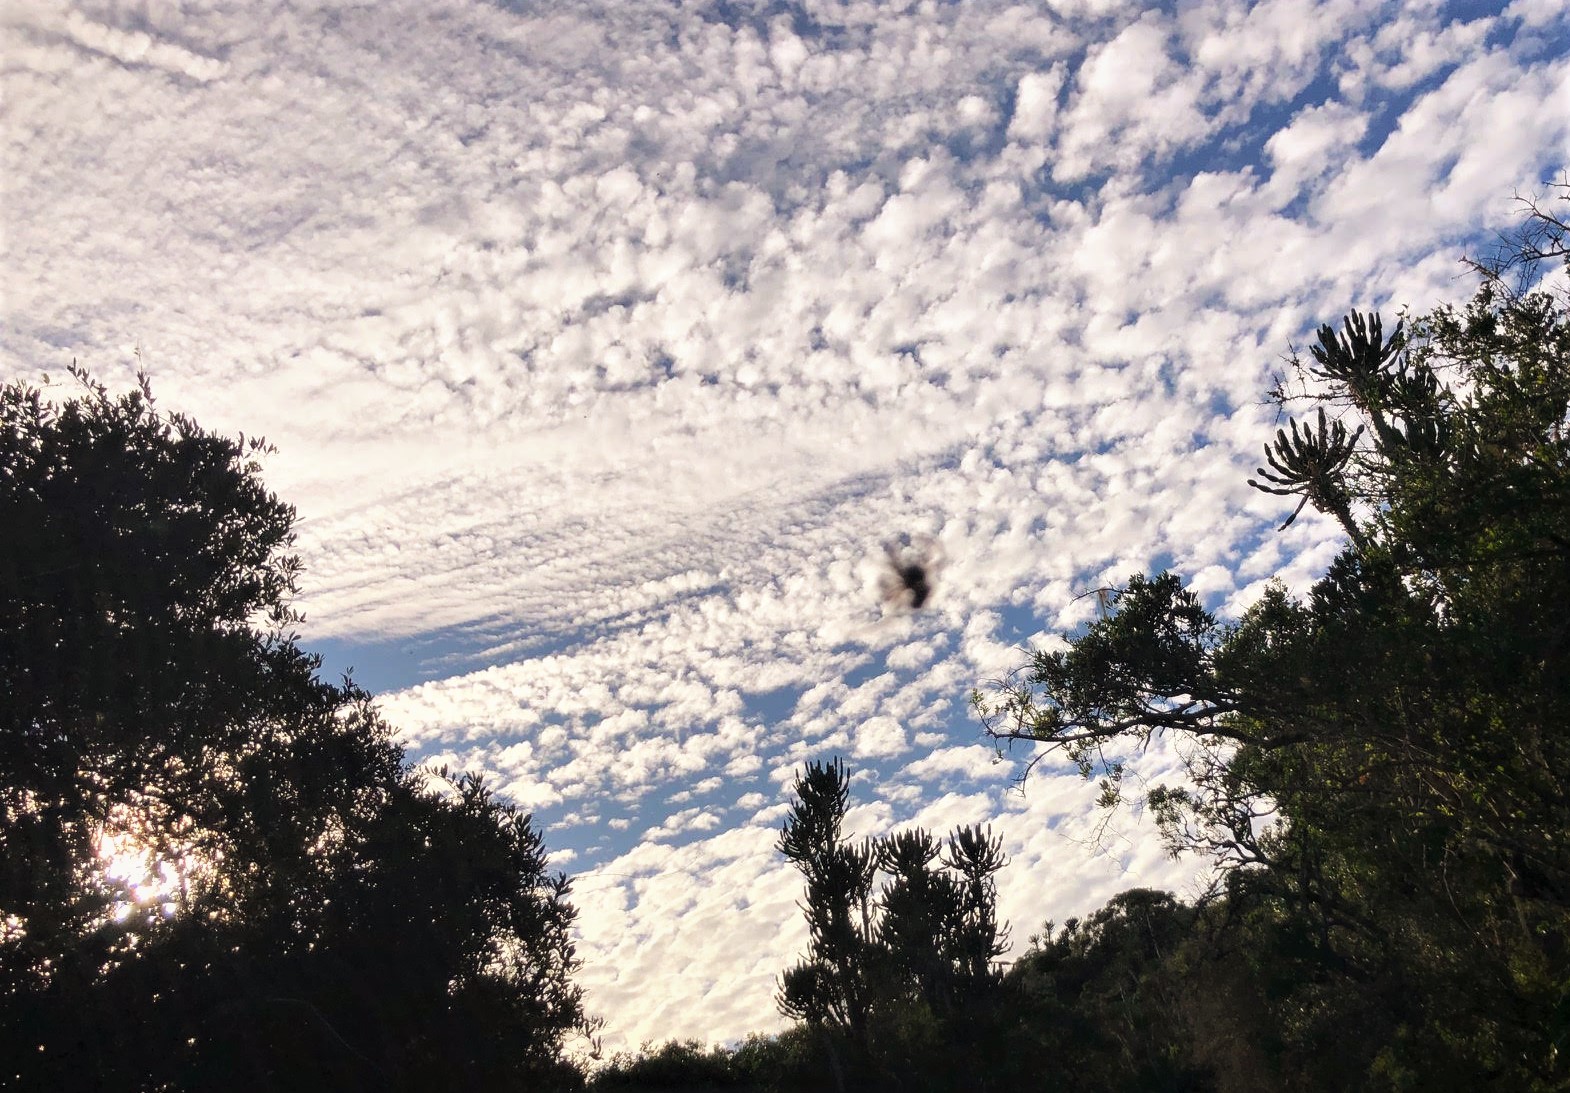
(832, 988)
(291, 908)
(1384, 764)
(899, 983)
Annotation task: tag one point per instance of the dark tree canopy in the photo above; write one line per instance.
(1384, 763)
(899, 981)
(313, 914)
(1107, 998)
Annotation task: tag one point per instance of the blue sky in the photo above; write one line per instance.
(604, 346)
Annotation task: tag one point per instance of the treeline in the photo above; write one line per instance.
(1382, 771)
(218, 871)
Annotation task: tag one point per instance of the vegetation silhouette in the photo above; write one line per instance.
(216, 870)
(892, 971)
(1382, 770)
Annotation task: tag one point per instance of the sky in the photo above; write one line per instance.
(605, 345)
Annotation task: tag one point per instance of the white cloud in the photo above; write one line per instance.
(1036, 104)
(878, 737)
(1316, 140)
(969, 761)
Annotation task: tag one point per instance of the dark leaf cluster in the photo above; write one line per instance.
(1382, 766)
(896, 970)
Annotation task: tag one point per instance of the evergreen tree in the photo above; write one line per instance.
(900, 984)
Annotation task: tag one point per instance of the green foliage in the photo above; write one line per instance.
(1384, 764)
(674, 1065)
(1106, 997)
(293, 907)
(1311, 463)
(784, 1063)
(901, 983)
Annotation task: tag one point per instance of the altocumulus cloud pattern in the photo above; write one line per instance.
(605, 345)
